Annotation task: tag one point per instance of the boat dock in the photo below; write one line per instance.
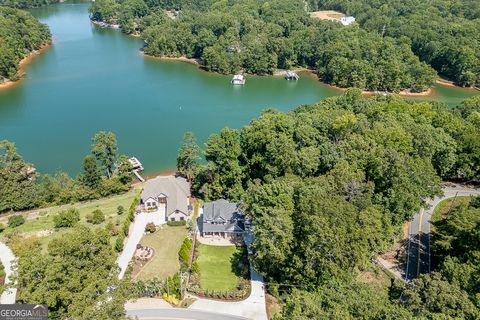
(290, 75)
(238, 79)
(137, 167)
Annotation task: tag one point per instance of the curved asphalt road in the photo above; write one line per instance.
(418, 258)
(180, 314)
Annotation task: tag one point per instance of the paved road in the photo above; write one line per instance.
(7, 257)
(183, 314)
(418, 258)
(135, 234)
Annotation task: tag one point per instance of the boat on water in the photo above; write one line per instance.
(290, 75)
(238, 79)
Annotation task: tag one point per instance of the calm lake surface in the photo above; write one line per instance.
(95, 79)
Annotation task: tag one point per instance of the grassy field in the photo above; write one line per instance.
(166, 242)
(42, 225)
(445, 206)
(215, 267)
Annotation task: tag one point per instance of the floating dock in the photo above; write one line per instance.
(290, 75)
(238, 79)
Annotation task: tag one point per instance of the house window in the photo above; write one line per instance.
(172, 219)
(182, 218)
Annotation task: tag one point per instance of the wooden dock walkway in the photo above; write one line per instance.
(137, 174)
(137, 167)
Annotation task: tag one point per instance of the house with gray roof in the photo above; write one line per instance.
(170, 192)
(223, 218)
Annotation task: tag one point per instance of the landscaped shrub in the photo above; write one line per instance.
(15, 221)
(2, 227)
(172, 285)
(184, 254)
(125, 227)
(176, 223)
(96, 217)
(150, 227)
(149, 288)
(119, 242)
(195, 267)
(66, 219)
(120, 210)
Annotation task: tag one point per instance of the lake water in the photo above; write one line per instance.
(95, 79)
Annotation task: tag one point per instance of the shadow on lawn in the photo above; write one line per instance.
(239, 263)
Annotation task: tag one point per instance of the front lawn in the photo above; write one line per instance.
(166, 243)
(218, 267)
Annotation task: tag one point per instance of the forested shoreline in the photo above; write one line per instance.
(25, 4)
(328, 187)
(104, 173)
(260, 37)
(20, 35)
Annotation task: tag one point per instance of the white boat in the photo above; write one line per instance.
(290, 75)
(238, 79)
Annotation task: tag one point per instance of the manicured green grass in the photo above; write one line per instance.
(445, 206)
(215, 267)
(44, 222)
(166, 242)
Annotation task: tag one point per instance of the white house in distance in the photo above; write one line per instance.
(346, 21)
(169, 192)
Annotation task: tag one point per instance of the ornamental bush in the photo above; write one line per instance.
(66, 219)
(96, 217)
(177, 223)
(150, 227)
(15, 221)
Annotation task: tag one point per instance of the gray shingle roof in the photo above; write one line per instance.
(176, 189)
(222, 216)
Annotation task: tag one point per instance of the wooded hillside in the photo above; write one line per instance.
(20, 34)
(261, 36)
(328, 187)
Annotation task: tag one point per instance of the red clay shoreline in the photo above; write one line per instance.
(23, 64)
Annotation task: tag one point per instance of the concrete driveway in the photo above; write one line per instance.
(137, 229)
(418, 254)
(7, 258)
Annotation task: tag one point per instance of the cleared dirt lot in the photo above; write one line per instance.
(327, 15)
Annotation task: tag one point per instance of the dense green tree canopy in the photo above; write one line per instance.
(21, 187)
(24, 4)
(328, 187)
(443, 33)
(20, 34)
(77, 278)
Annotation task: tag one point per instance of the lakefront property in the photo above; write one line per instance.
(170, 193)
(360, 203)
(224, 219)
